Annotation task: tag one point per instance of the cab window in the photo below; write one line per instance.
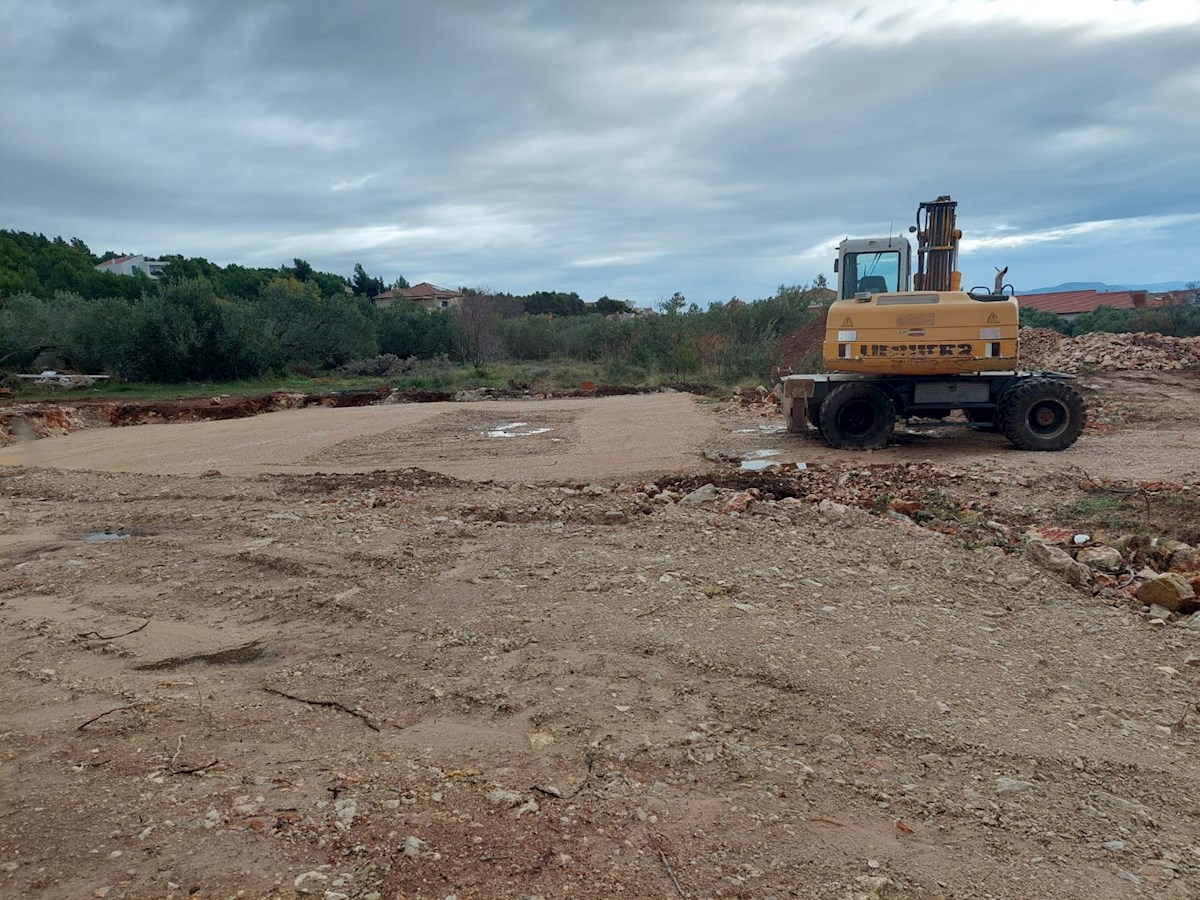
(876, 273)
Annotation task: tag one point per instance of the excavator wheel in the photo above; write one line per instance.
(1042, 414)
(857, 416)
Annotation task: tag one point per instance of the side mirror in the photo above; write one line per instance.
(835, 267)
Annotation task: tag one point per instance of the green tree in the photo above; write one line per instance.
(674, 305)
(1103, 318)
(301, 270)
(408, 329)
(1036, 318)
(363, 284)
(607, 306)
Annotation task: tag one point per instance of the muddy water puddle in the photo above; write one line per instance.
(514, 429)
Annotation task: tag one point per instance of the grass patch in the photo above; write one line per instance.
(431, 374)
(1103, 513)
(1174, 516)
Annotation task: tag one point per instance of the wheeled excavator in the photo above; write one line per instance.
(920, 351)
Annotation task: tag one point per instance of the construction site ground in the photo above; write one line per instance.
(518, 649)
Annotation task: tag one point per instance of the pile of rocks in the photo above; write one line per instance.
(1037, 345)
(758, 395)
(1161, 577)
(1044, 348)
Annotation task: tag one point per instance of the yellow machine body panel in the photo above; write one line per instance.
(921, 333)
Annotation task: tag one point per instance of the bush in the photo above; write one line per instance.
(1035, 318)
(385, 365)
(1103, 318)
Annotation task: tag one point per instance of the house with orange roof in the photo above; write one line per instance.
(133, 265)
(1072, 304)
(425, 294)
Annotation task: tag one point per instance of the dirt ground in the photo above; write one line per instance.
(433, 650)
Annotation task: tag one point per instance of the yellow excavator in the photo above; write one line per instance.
(923, 351)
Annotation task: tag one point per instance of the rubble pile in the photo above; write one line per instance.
(1037, 345)
(1160, 577)
(1156, 576)
(1113, 352)
(755, 396)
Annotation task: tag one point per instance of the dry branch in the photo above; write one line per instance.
(103, 714)
(112, 637)
(195, 770)
(671, 873)
(332, 704)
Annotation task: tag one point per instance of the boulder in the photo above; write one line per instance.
(739, 502)
(1163, 550)
(703, 494)
(1050, 534)
(1170, 591)
(1058, 561)
(1105, 559)
(1184, 559)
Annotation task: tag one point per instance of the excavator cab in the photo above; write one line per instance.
(873, 266)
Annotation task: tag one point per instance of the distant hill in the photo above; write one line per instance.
(1103, 288)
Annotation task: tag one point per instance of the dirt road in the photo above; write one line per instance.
(403, 684)
(613, 437)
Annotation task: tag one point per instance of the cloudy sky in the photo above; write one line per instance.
(624, 147)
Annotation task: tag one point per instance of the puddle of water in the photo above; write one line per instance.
(510, 430)
(759, 460)
(762, 429)
(106, 536)
(754, 465)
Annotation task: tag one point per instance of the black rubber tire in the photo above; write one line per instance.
(1042, 414)
(857, 416)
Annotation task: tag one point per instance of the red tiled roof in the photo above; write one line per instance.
(118, 259)
(426, 291)
(1072, 302)
(1069, 303)
(422, 291)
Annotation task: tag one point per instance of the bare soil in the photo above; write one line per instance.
(378, 652)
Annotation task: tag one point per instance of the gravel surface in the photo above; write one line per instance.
(471, 676)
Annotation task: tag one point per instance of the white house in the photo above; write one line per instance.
(132, 265)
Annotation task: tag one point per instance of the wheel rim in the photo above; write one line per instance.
(1048, 418)
(857, 418)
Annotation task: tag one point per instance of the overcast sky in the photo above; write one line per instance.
(624, 147)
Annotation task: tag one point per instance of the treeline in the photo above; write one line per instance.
(203, 322)
(41, 266)
(183, 331)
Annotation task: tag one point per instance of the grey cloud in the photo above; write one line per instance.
(621, 148)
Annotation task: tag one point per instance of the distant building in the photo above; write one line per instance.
(1072, 304)
(133, 265)
(425, 294)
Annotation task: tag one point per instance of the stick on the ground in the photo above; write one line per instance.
(102, 715)
(112, 637)
(671, 873)
(195, 770)
(827, 821)
(333, 704)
